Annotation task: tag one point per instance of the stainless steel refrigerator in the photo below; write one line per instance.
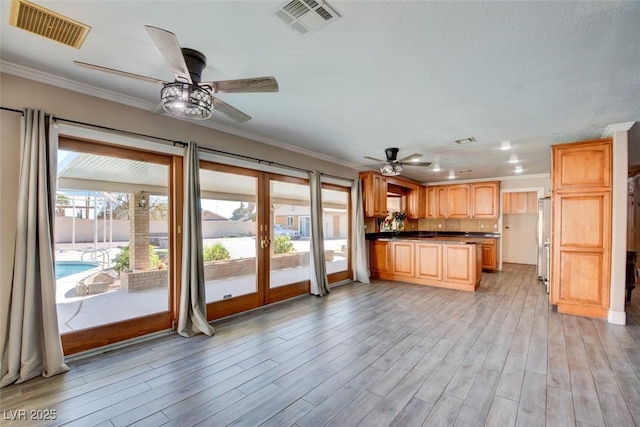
(543, 239)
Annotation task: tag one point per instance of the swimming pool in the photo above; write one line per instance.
(67, 268)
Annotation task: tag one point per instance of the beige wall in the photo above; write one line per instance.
(19, 93)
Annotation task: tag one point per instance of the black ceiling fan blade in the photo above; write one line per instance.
(410, 158)
(248, 85)
(167, 44)
(230, 111)
(416, 164)
(119, 73)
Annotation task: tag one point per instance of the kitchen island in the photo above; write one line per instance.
(426, 259)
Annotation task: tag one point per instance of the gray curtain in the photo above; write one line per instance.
(360, 252)
(319, 281)
(193, 304)
(29, 333)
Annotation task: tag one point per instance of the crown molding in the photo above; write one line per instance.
(497, 178)
(619, 127)
(72, 85)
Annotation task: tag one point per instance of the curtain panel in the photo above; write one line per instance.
(29, 333)
(319, 281)
(360, 250)
(193, 306)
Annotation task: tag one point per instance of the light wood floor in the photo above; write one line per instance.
(372, 355)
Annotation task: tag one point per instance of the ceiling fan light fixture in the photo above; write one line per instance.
(187, 100)
(391, 169)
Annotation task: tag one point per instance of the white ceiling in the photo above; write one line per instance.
(415, 75)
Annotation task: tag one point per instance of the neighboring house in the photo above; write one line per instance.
(335, 221)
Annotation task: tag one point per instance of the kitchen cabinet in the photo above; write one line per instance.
(458, 201)
(428, 261)
(442, 195)
(379, 257)
(431, 202)
(402, 259)
(415, 203)
(581, 228)
(485, 201)
(520, 202)
(490, 254)
(453, 265)
(374, 194)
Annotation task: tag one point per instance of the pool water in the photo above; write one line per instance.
(67, 268)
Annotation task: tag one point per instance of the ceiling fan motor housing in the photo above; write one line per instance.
(392, 154)
(196, 62)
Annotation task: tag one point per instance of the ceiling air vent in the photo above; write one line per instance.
(306, 16)
(46, 23)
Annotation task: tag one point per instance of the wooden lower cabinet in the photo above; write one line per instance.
(379, 257)
(490, 254)
(429, 261)
(448, 265)
(402, 259)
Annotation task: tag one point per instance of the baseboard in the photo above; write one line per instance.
(617, 317)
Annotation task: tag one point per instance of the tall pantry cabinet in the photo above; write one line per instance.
(581, 228)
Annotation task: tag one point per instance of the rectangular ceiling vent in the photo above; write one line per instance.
(46, 23)
(306, 16)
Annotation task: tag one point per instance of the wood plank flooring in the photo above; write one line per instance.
(385, 354)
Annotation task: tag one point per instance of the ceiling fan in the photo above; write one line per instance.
(394, 166)
(187, 96)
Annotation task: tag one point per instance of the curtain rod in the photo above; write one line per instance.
(183, 144)
(241, 156)
(76, 122)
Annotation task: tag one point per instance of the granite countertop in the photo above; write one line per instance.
(426, 239)
(408, 235)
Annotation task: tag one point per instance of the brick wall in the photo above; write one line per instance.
(142, 280)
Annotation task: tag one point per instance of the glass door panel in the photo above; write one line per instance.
(335, 223)
(112, 242)
(229, 225)
(289, 253)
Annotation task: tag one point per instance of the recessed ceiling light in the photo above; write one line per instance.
(465, 140)
(505, 145)
(436, 168)
(518, 169)
(452, 174)
(513, 159)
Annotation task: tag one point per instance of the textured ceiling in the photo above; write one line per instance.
(415, 75)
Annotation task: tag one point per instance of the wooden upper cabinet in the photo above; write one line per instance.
(380, 204)
(506, 203)
(484, 198)
(369, 195)
(431, 202)
(582, 166)
(532, 202)
(442, 196)
(415, 203)
(458, 198)
(374, 194)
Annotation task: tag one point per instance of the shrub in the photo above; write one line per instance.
(122, 259)
(282, 244)
(215, 252)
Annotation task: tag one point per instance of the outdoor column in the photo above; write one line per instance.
(139, 231)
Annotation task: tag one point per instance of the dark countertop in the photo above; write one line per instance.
(430, 235)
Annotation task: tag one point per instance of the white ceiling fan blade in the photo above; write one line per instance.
(253, 84)
(416, 164)
(119, 73)
(167, 44)
(374, 159)
(410, 158)
(230, 111)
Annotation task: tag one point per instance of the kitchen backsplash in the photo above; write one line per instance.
(480, 225)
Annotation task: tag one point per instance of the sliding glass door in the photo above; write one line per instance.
(113, 252)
